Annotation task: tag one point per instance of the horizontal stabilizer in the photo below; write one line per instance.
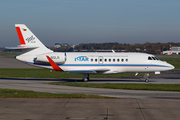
(21, 47)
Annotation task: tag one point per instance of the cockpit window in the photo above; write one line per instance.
(152, 58)
(156, 58)
(149, 58)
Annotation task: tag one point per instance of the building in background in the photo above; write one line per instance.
(58, 45)
(172, 50)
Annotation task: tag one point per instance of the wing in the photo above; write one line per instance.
(57, 68)
(53, 64)
(88, 71)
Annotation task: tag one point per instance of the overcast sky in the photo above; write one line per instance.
(91, 21)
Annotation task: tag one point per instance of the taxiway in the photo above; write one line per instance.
(131, 104)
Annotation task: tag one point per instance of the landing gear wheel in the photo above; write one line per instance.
(86, 77)
(146, 80)
(146, 77)
(85, 80)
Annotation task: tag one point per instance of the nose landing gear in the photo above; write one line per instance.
(146, 75)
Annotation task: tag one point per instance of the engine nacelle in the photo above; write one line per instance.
(58, 58)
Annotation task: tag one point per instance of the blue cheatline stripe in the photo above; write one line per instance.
(115, 65)
(102, 65)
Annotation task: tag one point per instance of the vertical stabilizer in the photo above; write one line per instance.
(32, 45)
(26, 37)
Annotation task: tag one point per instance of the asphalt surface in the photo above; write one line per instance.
(88, 109)
(132, 104)
(12, 63)
(39, 86)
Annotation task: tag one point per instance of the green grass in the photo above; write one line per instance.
(10, 93)
(154, 87)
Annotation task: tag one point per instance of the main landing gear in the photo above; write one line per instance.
(85, 77)
(146, 75)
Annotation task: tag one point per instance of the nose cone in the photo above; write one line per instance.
(170, 67)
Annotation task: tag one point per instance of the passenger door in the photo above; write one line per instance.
(100, 60)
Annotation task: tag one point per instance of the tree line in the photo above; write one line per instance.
(154, 48)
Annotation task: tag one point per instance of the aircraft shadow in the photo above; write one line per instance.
(98, 80)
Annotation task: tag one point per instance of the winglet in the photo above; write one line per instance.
(53, 64)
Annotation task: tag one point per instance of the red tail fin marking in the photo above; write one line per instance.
(21, 39)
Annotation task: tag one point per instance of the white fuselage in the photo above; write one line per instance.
(107, 62)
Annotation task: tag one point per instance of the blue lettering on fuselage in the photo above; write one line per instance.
(81, 58)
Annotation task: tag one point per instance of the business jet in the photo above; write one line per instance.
(37, 54)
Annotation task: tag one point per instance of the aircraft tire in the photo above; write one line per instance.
(85, 80)
(146, 80)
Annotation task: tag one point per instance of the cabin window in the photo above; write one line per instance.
(109, 60)
(100, 60)
(122, 60)
(114, 60)
(126, 60)
(118, 60)
(95, 60)
(105, 60)
(91, 60)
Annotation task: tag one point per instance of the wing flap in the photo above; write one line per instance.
(102, 70)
